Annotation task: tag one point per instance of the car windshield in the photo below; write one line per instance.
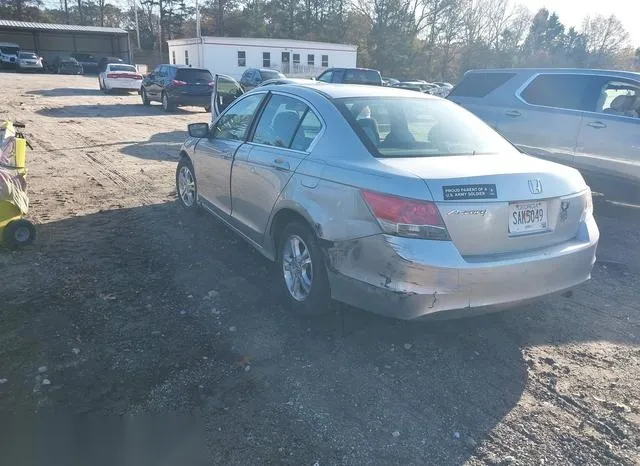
(269, 74)
(9, 50)
(419, 127)
(192, 76)
(68, 60)
(130, 68)
(28, 55)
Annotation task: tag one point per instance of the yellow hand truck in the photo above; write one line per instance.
(15, 230)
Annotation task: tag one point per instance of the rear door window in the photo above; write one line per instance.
(307, 132)
(279, 121)
(480, 84)
(568, 91)
(191, 76)
(361, 77)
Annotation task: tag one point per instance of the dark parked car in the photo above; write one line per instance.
(102, 64)
(351, 76)
(66, 65)
(176, 85)
(253, 77)
(89, 62)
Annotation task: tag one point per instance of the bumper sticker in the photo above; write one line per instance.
(469, 191)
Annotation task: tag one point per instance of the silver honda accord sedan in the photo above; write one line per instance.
(389, 200)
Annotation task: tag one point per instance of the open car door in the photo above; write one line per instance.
(225, 90)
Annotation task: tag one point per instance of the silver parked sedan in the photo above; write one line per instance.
(386, 199)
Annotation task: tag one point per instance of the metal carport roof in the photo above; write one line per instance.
(25, 25)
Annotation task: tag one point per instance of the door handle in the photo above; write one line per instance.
(513, 113)
(281, 164)
(597, 124)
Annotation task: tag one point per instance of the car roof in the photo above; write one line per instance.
(348, 68)
(583, 71)
(290, 81)
(339, 91)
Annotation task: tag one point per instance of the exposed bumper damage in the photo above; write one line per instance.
(411, 278)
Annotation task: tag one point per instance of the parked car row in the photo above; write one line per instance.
(13, 57)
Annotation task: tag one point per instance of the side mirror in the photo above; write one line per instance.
(198, 130)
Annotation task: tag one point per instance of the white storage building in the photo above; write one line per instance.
(233, 55)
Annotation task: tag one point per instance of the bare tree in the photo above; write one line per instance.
(604, 37)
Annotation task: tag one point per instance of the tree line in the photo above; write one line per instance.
(408, 39)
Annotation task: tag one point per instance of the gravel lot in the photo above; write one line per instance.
(125, 305)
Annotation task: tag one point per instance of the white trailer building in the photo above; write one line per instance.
(233, 55)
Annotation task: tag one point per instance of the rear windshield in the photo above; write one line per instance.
(266, 74)
(29, 55)
(69, 60)
(84, 57)
(362, 77)
(192, 76)
(480, 84)
(9, 50)
(419, 127)
(122, 68)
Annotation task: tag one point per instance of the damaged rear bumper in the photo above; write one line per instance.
(411, 278)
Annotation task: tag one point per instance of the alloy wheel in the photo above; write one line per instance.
(297, 267)
(186, 186)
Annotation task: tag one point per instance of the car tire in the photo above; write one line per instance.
(312, 293)
(143, 96)
(166, 103)
(100, 84)
(186, 185)
(18, 234)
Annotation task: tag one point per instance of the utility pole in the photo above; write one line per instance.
(135, 12)
(198, 35)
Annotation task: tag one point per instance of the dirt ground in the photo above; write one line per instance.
(127, 306)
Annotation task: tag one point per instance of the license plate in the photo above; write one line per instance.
(528, 217)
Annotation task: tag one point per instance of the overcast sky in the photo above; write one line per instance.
(572, 12)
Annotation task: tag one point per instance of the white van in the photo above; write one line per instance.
(9, 54)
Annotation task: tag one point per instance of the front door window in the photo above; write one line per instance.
(235, 123)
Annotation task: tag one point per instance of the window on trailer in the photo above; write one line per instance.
(325, 61)
(242, 58)
(296, 58)
(311, 59)
(186, 57)
(266, 59)
(173, 57)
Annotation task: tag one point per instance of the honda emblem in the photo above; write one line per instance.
(535, 186)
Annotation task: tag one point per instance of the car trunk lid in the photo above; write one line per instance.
(493, 204)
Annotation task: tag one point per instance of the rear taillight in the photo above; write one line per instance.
(212, 83)
(137, 76)
(175, 82)
(406, 217)
(112, 75)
